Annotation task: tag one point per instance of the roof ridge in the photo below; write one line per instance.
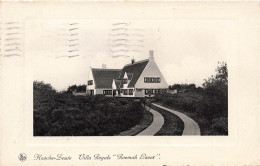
(137, 62)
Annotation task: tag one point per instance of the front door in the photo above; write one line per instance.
(114, 93)
(91, 92)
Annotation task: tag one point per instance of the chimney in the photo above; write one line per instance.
(104, 66)
(151, 57)
(133, 60)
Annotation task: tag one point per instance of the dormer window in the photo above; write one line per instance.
(90, 82)
(125, 81)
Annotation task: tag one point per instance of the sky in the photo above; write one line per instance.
(185, 50)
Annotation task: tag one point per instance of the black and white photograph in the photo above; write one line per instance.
(129, 83)
(130, 77)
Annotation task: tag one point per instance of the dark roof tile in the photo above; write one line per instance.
(129, 76)
(136, 69)
(104, 77)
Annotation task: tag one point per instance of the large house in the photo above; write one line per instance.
(137, 79)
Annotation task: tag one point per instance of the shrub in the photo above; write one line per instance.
(207, 103)
(123, 101)
(219, 126)
(60, 114)
(185, 101)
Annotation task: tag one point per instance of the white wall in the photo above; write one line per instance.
(151, 70)
(125, 85)
(113, 84)
(100, 91)
(90, 77)
(139, 93)
(79, 94)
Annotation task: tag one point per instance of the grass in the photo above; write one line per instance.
(173, 125)
(144, 123)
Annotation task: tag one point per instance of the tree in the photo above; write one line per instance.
(220, 77)
(72, 89)
(216, 91)
(76, 88)
(222, 72)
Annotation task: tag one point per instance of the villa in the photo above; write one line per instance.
(137, 79)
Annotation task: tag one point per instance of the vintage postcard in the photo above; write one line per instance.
(129, 83)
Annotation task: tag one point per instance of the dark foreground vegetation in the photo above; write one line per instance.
(62, 114)
(208, 105)
(173, 125)
(142, 125)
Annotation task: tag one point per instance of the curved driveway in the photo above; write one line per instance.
(155, 126)
(190, 126)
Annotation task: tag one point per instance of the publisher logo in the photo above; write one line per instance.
(22, 157)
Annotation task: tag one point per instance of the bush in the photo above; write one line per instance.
(184, 101)
(219, 126)
(62, 114)
(207, 105)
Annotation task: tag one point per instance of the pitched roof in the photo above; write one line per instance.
(129, 75)
(104, 77)
(117, 82)
(135, 69)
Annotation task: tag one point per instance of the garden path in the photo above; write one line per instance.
(155, 126)
(190, 126)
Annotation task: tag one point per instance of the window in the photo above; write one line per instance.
(125, 91)
(148, 91)
(164, 91)
(107, 92)
(130, 91)
(125, 81)
(90, 82)
(152, 79)
(139, 90)
(157, 91)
